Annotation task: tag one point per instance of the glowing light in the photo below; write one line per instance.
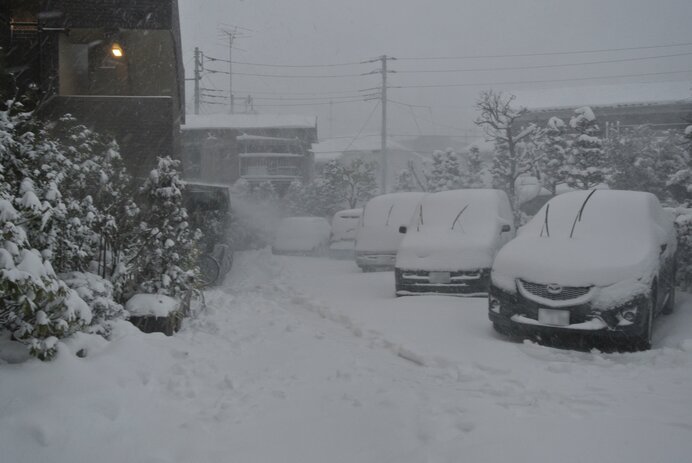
(117, 51)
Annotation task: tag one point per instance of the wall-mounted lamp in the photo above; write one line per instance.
(117, 50)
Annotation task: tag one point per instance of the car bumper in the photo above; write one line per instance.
(515, 315)
(459, 283)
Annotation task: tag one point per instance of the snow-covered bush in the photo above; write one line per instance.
(646, 160)
(164, 253)
(97, 292)
(445, 171)
(683, 226)
(35, 306)
(474, 173)
(353, 183)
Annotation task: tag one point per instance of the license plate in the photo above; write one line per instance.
(439, 278)
(553, 317)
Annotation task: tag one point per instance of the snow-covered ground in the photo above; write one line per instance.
(309, 360)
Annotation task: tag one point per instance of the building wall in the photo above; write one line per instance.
(144, 111)
(212, 154)
(142, 126)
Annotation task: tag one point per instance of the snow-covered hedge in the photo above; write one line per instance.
(683, 226)
(70, 225)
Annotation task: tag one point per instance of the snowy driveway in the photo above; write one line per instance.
(308, 360)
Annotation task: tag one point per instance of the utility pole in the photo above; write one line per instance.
(383, 101)
(197, 77)
(383, 141)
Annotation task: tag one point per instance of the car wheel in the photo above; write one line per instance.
(500, 329)
(644, 340)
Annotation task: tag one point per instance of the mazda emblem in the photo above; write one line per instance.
(554, 288)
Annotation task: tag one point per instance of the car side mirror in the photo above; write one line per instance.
(505, 228)
(664, 246)
(403, 229)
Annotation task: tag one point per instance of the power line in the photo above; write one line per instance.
(286, 76)
(354, 95)
(546, 81)
(326, 103)
(327, 65)
(551, 53)
(544, 66)
(367, 121)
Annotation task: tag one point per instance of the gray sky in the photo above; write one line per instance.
(314, 32)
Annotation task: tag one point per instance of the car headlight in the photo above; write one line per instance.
(494, 304)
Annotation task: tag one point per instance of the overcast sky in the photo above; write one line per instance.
(320, 32)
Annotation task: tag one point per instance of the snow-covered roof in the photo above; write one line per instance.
(246, 137)
(334, 147)
(606, 95)
(248, 121)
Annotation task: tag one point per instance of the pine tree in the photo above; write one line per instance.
(166, 247)
(554, 146)
(587, 165)
(472, 175)
(445, 172)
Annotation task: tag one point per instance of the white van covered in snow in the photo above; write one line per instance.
(342, 243)
(451, 242)
(378, 238)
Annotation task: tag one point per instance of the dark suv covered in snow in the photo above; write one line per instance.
(595, 263)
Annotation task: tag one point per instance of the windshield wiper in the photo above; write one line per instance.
(581, 211)
(389, 214)
(458, 215)
(545, 222)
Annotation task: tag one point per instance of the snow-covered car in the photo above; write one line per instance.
(342, 243)
(302, 236)
(378, 237)
(597, 263)
(451, 242)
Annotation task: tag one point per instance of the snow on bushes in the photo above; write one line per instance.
(683, 227)
(67, 206)
(165, 249)
(97, 293)
(35, 305)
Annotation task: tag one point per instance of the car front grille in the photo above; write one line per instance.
(566, 293)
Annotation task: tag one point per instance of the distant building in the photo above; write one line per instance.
(661, 105)
(368, 148)
(115, 65)
(255, 147)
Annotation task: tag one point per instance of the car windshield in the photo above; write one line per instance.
(475, 217)
(605, 216)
